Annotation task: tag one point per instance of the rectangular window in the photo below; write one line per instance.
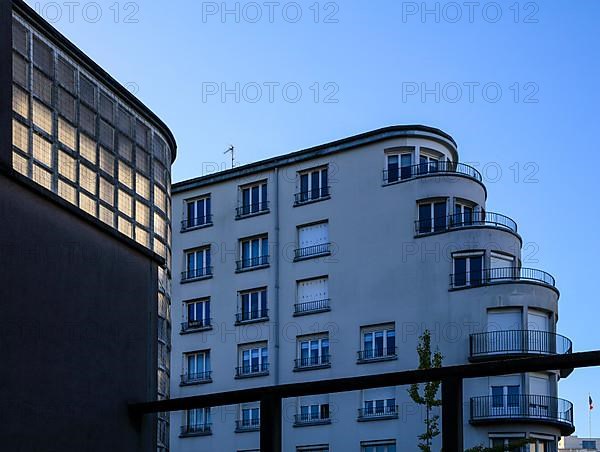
(463, 214)
(253, 305)
(198, 212)
(87, 179)
(20, 102)
(313, 413)
(125, 203)
(142, 186)
(399, 167)
(250, 418)
(313, 351)
(312, 295)
(505, 397)
(42, 117)
(428, 164)
(253, 359)
(313, 240)
(20, 136)
(197, 263)
(142, 213)
(197, 314)
(378, 446)
(67, 166)
(68, 192)
(253, 199)
(87, 149)
(197, 420)
(468, 270)
(378, 342)
(20, 164)
(432, 217)
(126, 175)
(313, 185)
(379, 407)
(254, 252)
(42, 150)
(197, 366)
(66, 134)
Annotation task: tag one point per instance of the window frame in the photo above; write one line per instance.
(307, 193)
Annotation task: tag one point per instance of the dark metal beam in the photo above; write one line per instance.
(452, 414)
(270, 424)
(500, 367)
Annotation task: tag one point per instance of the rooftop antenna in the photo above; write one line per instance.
(231, 149)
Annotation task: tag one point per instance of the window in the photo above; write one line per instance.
(313, 240)
(378, 342)
(378, 446)
(315, 448)
(502, 266)
(198, 212)
(42, 150)
(87, 149)
(468, 270)
(142, 186)
(250, 418)
(197, 264)
(254, 359)
(313, 185)
(312, 295)
(428, 163)
(379, 408)
(67, 166)
(66, 134)
(313, 413)
(588, 444)
(399, 166)
(20, 136)
(20, 101)
(313, 351)
(253, 305)
(507, 442)
(254, 252)
(432, 216)
(197, 367)
(197, 314)
(253, 199)
(505, 397)
(42, 117)
(197, 420)
(463, 214)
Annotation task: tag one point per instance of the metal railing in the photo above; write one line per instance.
(311, 418)
(377, 353)
(196, 377)
(252, 262)
(252, 369)
(195, 324)
(376, 412)
(395, 174)
(314, 250)
(196, 273)
(189, 223)
(249, 209)
(309, 306)
(247, 424)
(522, 406)
(311, 195)
(461, 220)
(312, 361)
(502, 274)
(196, 428)
(245, 316)
(518, 342)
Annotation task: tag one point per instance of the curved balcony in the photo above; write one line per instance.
(465, 220)
(511, 343)
(501, 275)
(523, 408)
(397, 174)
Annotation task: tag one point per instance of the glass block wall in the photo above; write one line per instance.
(76, 138)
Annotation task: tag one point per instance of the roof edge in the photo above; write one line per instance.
(332, 147)
(88, 63)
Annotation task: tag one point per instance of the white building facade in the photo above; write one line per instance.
(331, 262)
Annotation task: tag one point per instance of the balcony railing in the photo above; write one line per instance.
(518, 342)
(192, 325)
(252, 369)
(522, 407)
(365, 414)
(242, 425)
(196, 429)
(457, 221)
(311, 419)
(377, 353)
(311, 195)
(314, 250)
(393, 174)
(312, 361)
(499, 275)
(196, 273)
(190, 223)
(196, 377)
(311, 306)
(248, 316)
(251, 209)
(252, 262)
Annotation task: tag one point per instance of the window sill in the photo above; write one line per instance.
(247, 429)
(312, 256)
(251, 321)
(377, 360)
(312, 423)
(383, 417)
(196, 330)
(253, 214)
(315, 367)
(311, 201)
(314, 311)
(195, 383)
(252, 375)
(249, 269)
(191, 435)
(199, 278)
(194, 228)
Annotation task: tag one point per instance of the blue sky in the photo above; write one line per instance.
(357, 65)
